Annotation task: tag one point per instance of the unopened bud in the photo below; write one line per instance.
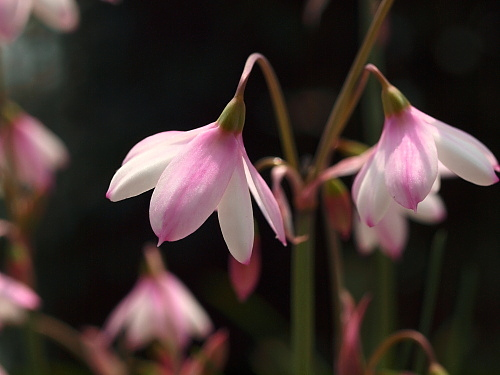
(437, 369)
(338, 206)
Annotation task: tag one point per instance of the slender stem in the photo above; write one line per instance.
(337, 281)
(277, 97)
(396, 338)
(303, 296)
(431, 285)
(336, 121)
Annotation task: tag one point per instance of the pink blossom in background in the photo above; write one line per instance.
(37, 152)
(159, 307)
(350, 360)
(194, 173)
(15, 299)
(244, 277)
(391, 232)
(62, 15)
(404, 164)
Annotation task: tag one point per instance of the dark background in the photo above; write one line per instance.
(142, 67)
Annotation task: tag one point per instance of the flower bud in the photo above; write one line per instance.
(338, 206)
(437, 369)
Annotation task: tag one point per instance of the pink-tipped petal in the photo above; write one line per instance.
(369, 191)
(411, 158)
(192, 185)
(264, 198)
(430, 211)
(145, 163)
(244, 277)
(465, 155)
(61, 15)
(236, 216)
(13, 17)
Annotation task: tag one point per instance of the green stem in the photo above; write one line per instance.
(278, 100)
(431, 287)
(337, 120)
(303, 296)
(337, 281)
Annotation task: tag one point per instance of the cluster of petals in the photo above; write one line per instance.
(194, 173)
(159, 307)
(15, 299)
(35, 151)
(62, 15)
(403, 166)
(391, 232)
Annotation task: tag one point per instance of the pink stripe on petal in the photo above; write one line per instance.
(465, 155)
(192, 185)
(236, 216)
(411, 159)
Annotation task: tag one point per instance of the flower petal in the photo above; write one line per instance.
(369, 191)
(145, 163)
(236, 216)
(244, 277)
(264, 197)
(13, 16)
(465, 155)
(430, 211)
(59, 14)
(192, 185)
(411, 158)
(392, 232)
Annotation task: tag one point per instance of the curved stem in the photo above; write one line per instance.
(395, 338)
(337, 120)
(277, 97)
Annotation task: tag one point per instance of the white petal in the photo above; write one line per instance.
(369, 191)
(465, 155)
(145, 163)
(392, 232)
(236, 216)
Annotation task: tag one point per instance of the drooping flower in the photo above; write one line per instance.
(30, 149)
(15, 299)
(404, 164)
(391, 232)
(193, 174)
(159, 307)
(62, 15)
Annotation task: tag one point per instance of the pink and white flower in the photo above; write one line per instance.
(194, 173)
(159, 307)
(404, 163)
(35, 151)
(15, 299)
(61, 15)
(391, 232)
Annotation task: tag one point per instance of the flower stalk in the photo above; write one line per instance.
(337, 120)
